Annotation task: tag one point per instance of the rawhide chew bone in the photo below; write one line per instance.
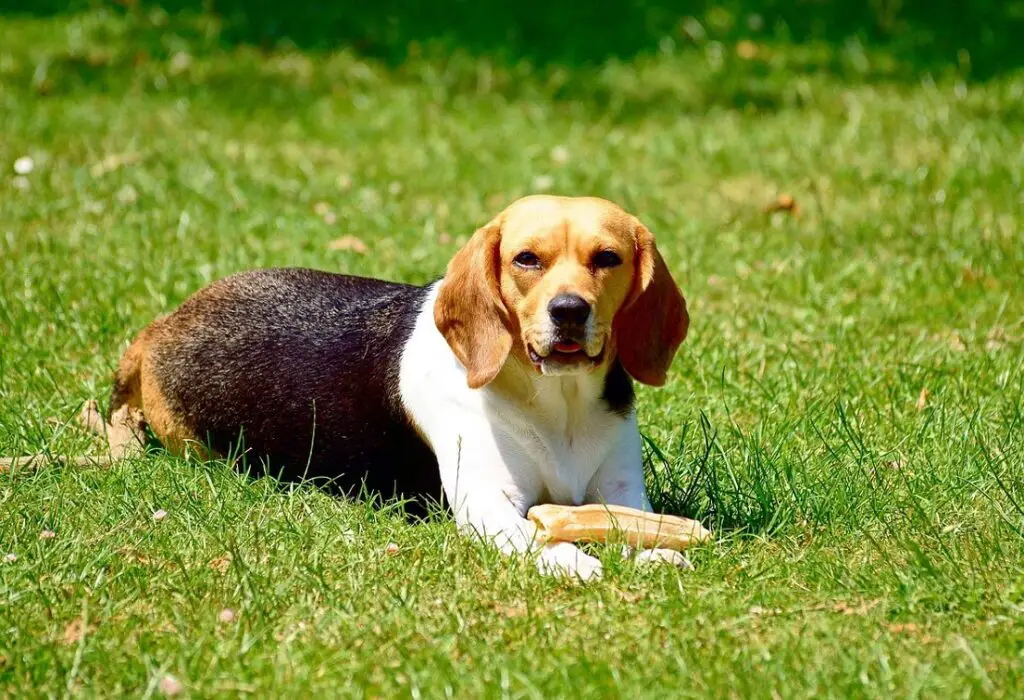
(602, 523)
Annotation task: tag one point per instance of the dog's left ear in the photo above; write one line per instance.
(652, 323)
(469, 310)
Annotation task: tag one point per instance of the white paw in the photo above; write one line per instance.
(663, 556)
(566, 559)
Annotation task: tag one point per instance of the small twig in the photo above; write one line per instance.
(124, 436)
(38, 461)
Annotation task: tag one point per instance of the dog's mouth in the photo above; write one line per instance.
(567, 347)
(563, 353)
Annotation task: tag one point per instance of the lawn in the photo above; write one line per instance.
(847, 413)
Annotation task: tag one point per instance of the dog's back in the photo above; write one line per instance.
(298, 367)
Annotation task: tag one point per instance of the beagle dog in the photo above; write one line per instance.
(503, 385)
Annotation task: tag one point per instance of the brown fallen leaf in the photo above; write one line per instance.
(630, 596)
(746, 49)
(114, 162)
(170, 686)
(134, 555)
(922, 398)
(75, 630)
(914, 630)
(784, 202)
(348, 243)
(903, 627)
(864, 608)
(516, 610)
(997, 338)
(220, 564)
(98, 58)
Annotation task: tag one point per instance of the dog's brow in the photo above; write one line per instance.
(535, 236)
(616, 224)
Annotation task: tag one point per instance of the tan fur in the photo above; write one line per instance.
(138, 398)
(127, 388)
(138, 401)
(168, 427)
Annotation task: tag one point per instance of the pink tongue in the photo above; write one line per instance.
(567, 347)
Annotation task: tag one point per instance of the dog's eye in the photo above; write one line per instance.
(527, 260)
(606, 259)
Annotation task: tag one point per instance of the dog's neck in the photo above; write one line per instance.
(565, 395)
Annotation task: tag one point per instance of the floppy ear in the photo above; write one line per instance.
(469, 311)
(653, 321)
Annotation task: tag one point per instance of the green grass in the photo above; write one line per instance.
(871, 541)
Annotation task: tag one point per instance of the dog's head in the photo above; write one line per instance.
(563, 284)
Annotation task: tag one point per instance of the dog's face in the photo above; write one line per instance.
(565, 285)
(566, 268)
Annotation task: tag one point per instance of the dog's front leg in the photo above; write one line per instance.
(489, 502)
(619, 481)
(490, 516)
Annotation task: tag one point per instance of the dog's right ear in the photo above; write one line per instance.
(653, 321)
(469, 311)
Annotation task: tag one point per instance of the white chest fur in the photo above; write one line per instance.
(535, 438)
(562, 428)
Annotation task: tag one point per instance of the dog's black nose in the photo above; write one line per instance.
(569, 310)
